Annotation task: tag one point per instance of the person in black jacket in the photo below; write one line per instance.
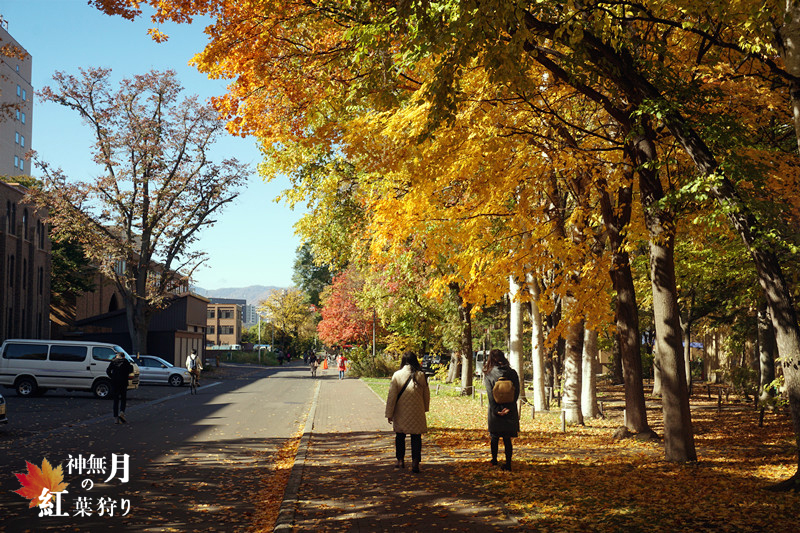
(503, 418)
(118, 370)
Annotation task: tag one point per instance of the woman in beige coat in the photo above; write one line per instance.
(409, 399)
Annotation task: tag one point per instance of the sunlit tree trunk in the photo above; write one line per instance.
(537, 345)
(589, 378)
(678, 434)
(571, 404)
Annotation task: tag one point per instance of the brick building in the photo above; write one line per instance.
(24, 267)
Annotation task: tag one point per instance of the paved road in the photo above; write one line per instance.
(191, 458)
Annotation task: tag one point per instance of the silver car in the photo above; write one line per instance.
(154, 370)
(3, 417)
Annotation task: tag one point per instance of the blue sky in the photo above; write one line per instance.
(253, 242)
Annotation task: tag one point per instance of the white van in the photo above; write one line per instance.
(34, 366)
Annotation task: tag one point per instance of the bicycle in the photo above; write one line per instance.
(193, 383)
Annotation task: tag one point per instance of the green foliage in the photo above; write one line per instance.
(71, 273)
(251, 358)
(744, 380)
(362, 364)
(309, 276)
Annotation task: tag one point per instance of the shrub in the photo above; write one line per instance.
(363, 365)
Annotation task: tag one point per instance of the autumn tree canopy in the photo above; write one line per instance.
(512, 138)
(157, 189)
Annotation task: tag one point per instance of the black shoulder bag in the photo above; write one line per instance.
(406, 385)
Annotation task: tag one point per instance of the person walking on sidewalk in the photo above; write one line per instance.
(341, 362)
(409, 399)
(504, 415)
(118, 371)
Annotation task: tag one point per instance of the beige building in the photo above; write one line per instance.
(16, 105)
(224, 325)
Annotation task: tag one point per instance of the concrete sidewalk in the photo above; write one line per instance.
(344, 477)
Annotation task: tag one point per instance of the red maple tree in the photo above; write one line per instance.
(343, 322)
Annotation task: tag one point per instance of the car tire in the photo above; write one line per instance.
(102, 388)
(26, 387)
(175, 380)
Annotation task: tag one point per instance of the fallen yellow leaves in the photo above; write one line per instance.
(268, 499)
(584, 481)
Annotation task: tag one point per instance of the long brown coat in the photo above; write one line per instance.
(408, 413)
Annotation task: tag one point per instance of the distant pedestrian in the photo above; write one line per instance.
(313, 364)
(503, 416)
(118, 370)
(409, 399)
(341, 364)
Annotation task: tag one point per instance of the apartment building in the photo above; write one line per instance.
(224, 326)
(16, 105)
(25, 262)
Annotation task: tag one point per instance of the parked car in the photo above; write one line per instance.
(3, 417)
(33, 366)
(155, 370)
(479, 358)
(431, 361)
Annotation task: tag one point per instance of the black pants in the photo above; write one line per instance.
(119, 393)
(400, 447)
(495, 445)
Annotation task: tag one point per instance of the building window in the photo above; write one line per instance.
(40, 281)
(25, 223)
(19, 90)
(16, 162)
(211, 313)
(211, 330)
(24, 94)
(11, 213)
(21, 164)
(23, 118)
(22, 141)
(226, 314)
(11, 270)
(16, 137)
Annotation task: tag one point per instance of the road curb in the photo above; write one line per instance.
(286, 514)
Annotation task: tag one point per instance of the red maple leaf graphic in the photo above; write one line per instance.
(37, 479)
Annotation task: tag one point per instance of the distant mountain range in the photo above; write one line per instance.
(254, 294)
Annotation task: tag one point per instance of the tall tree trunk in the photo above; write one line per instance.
(627, 335)
(516, 357)
(137, 319)
(766, 355)
(616, 361)
(537, 345)
(678, 435)
(589, 378)
(465, 316)
(686, 327)
(573, 352)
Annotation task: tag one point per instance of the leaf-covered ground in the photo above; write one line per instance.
(582, 480)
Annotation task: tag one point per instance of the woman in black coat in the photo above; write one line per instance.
(503, 417)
